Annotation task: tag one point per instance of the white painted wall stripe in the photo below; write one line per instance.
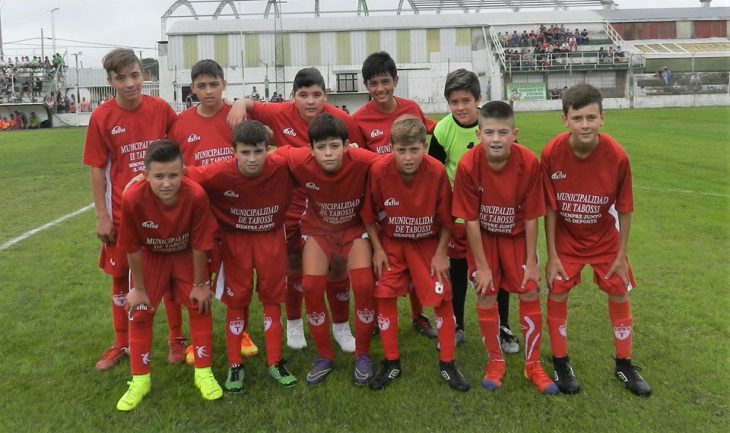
(682, 191)
(30, 233)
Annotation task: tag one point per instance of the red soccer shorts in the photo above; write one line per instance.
(458, 242)
(242, 253)
(169, 275)
(506, 259)
(113, 259)
(612, 286)
(410, 260)
(339, 243)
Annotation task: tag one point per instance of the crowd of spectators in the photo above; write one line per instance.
(21, 78)
(17, 120)
(557, 36)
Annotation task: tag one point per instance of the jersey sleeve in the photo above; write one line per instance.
(353, 132)
(263, 112)
(466, 197)
(96, 154)
(436, 150)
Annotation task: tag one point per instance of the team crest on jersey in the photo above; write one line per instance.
(201, 352)
(383, 323)
(343, 296)
(391, 202)
(558, 175)
(438, 288)
(236, 326)
(146, 358)
(149, 225)
(439, 322)
(622, 332)
(289, 131)
(376, 133)
(366, 316)
(120, 299)
(315, 319)
(267, 323)
(118, 130)
(312, 185)
(563, 329)
(193, 138)
(230, 193)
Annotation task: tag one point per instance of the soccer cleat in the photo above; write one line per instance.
(248, 347)
(189, 355)
(343, 336)
(111, 357)
(451, 374)
(319, 371)
(508, 341)
(389, 372)
(535, 374)
(206, 383)
(139, 386)
(282, 374)
(234, 381)
(295, 334)
(177, 351)
(363, 370)
(423, 326)
(627, 373)
(493, 375)
(564, 377)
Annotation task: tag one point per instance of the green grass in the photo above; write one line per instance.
(55, 322)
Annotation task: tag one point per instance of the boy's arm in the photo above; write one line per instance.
(553, 267)
(532, 270)
(138, 294)
(620, 265)
(380, 257)
(483, 277)
(436, 150)
(104, 225)
(201, 295)
(240, 111)
(440, 262)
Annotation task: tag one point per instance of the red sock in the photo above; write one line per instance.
(293, 296)
(173, 312)
(557, 320)
(446, 327)
(201, 332)
(140, 341)
(314, 287)
(388, 324)
(272, 333)
(623, 329)
(235, 324)
(416, 307)
(338, 296)
(489, 327)
(363, 286)
(531, 324)
(120, 288)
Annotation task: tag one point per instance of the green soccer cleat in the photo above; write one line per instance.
(139, 386)
(282, 374)
(206, 383)
(234, 381)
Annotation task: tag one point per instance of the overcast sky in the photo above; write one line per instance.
(81, 24)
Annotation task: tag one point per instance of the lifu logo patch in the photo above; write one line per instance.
(312, 185)
(118, 130)
(193, 138)
(149, 225)
(236, 326)
(376, 133)
(290, 132)
(230, 193)
(558, 175)
(391, 202)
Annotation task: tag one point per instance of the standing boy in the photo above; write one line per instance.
(409, 196)
(588, 189)
(453, 137)
(116, 141)
(166, 229)
(249, 196)
(498, 193)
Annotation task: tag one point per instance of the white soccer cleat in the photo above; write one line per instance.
(343, 336)
(295, 334)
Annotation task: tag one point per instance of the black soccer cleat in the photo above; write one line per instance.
(564, 376)
(628, 374)
(389, 371)
(451, 374)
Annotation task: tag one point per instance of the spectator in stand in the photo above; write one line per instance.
(19, 121)
(572, 43)
(274, 97)
(584, 37)
(12, 124)
(84, 105)
(695, 83)
(524, 39)
(35, 121)
(666, 75)
(515, 39)
(533, 38)
(46, 63)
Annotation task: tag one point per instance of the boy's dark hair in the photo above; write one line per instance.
(378, 64)
(118, 59)
(326, 126)
(250, 133)
(308, 77)
(162, 151)
(406, 130)
(497, 110)
(206, 67)
(461, 79)
(580, 96)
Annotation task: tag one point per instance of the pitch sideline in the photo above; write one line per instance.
(55, 222)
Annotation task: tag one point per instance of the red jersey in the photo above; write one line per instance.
(203, 140)
(240, 203)
(586, 195)
(408, 210)
(288, 126)
(375, 126)
(148, 223)
(117, 141)
(500, 200)
(333, 200)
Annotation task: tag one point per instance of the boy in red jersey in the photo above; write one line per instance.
(498, 193)
(587, 180)
(166, 228)
(249, 196)
(409, 196)
(334, 178)
(374, 119)
(204, 138)
(289, 123)
(116, 140)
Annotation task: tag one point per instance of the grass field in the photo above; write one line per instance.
(55, 321)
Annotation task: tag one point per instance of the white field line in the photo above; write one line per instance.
(57, 221)
(683, 191)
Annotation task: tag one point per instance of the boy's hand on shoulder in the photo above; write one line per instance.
(105, 229)
(237, 114)
(134, 180)
(619, 267)
(554, 270)
(201, 296)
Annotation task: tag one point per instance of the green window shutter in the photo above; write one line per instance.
(344, 49)
(190, 50)
(220, 50)
(313, 49)
(251, 50)
(403, 44)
